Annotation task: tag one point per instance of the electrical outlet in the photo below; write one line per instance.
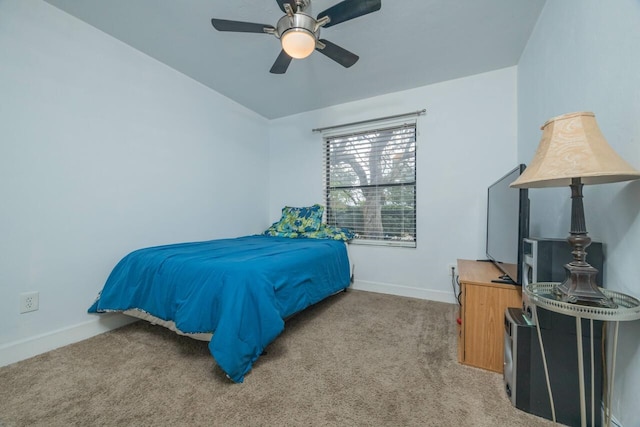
(451, 269)
(29, 301)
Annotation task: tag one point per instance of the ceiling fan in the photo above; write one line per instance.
(299, 32)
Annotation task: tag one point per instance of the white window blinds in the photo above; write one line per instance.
(370, 184)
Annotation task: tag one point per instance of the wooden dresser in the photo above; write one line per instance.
(481, 330)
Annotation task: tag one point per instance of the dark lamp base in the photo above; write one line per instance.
(580, 287)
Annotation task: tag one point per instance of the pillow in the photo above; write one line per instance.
(300, 220)
(325, 232)
(271, 231)
(329, 232)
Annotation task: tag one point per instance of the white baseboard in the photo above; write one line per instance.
(29, 347)
(404, 291)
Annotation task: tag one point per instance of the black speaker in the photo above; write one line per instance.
(524, 378)
(544, 259)
(518, 332)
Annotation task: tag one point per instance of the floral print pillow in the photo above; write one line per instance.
(306, 222)
(300, 220)
(330, 232)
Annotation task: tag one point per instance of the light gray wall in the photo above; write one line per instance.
(104, 150)
(466, 141)
(583, 56)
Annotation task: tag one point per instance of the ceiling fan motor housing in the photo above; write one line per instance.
(298, 33)
(298, 22)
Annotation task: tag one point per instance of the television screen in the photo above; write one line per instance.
(507, 225)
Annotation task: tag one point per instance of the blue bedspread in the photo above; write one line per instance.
(240, 289)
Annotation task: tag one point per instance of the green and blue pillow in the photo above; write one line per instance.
(306, 222)
(300, 220)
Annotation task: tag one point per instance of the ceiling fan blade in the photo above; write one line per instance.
(338, 54)
(349, 9)
(281, 64)
(240, 27)
(281, 3)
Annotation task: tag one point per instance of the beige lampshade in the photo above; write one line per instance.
(572, 146)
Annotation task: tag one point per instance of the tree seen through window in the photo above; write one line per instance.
(371, 183)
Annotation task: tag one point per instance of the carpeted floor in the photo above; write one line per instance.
(356, 359)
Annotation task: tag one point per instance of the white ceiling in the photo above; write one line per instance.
(406, 44)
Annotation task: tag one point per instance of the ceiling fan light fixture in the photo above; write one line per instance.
(298, 43)
(299, 32)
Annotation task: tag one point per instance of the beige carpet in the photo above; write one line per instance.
(356, 359)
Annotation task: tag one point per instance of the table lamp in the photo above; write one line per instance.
(574, 152)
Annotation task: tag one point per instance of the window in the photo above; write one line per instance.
(370, 184)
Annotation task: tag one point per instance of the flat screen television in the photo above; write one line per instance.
(507, 225)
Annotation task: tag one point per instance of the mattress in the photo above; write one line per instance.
(237, 291)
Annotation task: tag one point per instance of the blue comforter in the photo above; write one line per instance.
(239, 289)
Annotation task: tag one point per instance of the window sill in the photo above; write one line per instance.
(392, 243)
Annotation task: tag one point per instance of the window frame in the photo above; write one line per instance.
(329, 142)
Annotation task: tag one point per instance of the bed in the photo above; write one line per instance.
(236, 293)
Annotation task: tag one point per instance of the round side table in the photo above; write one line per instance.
(628, 308)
